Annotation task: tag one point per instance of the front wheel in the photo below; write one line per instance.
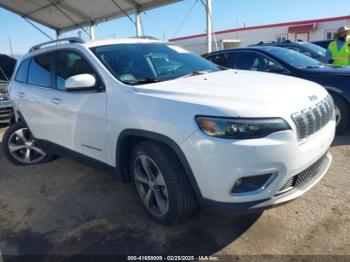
(342, 114)
(20, 147)
(162, 186)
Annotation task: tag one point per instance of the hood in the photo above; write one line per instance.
(7, 65)
(331, 70)
(241, 93)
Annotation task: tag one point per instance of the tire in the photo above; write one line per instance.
(18, 141)
(171, 198)
(344, 118)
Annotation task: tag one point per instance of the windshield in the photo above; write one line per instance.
(295, 59)
(151, 62)
(319, 50)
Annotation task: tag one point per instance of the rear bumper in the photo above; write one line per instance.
(224, 208)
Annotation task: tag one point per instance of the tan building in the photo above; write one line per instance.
(310, 30)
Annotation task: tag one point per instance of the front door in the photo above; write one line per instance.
(77, 118)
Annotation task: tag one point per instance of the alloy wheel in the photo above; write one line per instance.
(337, 114)
(23, 148)
(151, 185)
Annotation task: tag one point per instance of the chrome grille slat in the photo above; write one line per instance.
(323, 114)
(311, 120)
(318, 119)
(328, 109)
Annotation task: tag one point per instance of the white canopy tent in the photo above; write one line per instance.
(66, 15)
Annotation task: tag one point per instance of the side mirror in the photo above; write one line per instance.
(80, 82)
(276, 69)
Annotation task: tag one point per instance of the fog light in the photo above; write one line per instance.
(252, 183)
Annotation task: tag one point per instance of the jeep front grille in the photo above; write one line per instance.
(313, 119)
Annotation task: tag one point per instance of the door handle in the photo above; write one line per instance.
(56, 101)
(21, 94)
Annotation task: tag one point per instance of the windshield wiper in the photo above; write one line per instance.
(196, 73)
(146, 80)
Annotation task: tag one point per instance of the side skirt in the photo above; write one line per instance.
(58, 150)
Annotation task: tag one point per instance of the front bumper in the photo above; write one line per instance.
(217, 164)
(221, 208)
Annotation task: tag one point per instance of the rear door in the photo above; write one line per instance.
(32, 84)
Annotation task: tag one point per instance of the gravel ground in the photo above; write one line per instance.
(66, 208)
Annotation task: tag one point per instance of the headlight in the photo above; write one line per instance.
(240, 128)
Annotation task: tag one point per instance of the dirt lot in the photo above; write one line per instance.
(67, 208)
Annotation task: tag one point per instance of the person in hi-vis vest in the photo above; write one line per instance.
(339, 49)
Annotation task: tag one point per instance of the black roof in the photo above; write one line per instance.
(285, 43)
(264, 48)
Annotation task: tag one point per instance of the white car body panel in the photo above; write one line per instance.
(90, 124)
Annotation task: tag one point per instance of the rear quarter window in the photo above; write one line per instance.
(22, 72)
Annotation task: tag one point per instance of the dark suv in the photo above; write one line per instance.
(305, 48)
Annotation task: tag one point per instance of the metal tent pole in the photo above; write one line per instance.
(209, 26)
(10, 46)
(58, 34)
(36, 27)
(92, 31)
(138, 23)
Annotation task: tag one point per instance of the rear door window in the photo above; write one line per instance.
(218, 59)
(40, 70)
(251, 61)
(231, 59)
(227, 60)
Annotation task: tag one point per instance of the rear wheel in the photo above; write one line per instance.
(20, 147)
(342, 114)
(161, 183)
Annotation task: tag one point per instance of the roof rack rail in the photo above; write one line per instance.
(68, 39)
(145, 37)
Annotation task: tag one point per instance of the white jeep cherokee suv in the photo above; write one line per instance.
(185, 131)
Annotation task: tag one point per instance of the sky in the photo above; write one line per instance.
(169, 21)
